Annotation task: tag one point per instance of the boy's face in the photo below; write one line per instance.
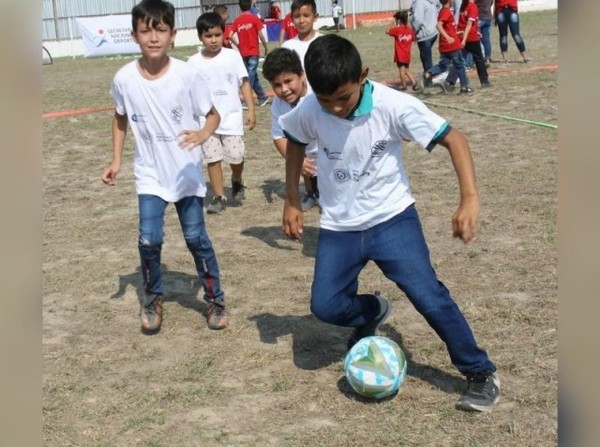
(289, 87)
(344, 100)
(155, 41)
(212, 40)
(304, 18)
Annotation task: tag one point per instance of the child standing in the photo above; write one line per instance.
(304, 14)
(337, 13)
(403, 36)
(249, 31)
(161, 98)
(283, 69)
(468, 30)
(450, 49)
(288, 29)
(226, 74)
(506, 15)
(368, 211)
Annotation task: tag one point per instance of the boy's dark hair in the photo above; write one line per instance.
(152, 12)
(281, 60)
(444, 2)
(209, 20)
(297, 4)
(402, 16)
(331, 61)
(245, 5)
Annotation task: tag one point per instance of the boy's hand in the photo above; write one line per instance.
(308, 167)
(250, 120)
(109, 176)
(464, 220)
(192, 138)
(293, 220)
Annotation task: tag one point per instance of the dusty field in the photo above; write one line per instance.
(275, 378)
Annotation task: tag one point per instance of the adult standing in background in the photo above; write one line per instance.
(507, 17)
(423, 19)
(485, 28)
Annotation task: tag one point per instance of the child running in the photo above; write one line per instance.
(226, 74)
(404, 36)
(368, 210)
(161, 99)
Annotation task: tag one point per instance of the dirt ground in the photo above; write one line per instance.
(275, 377)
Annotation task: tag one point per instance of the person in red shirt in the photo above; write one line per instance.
(468, 29)
(288, 29)
(506, 16)
(249, 31)
(450, 50)
(274, 11)
(404, 36)
(228, 39)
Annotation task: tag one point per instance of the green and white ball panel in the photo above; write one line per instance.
(375, 367)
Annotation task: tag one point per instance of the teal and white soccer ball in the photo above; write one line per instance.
(375, 367)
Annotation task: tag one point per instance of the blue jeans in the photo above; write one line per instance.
(251, 63)
(426, 54)
(191, 216)
(455, 59)
(473, 49)
(509, 19)
(485, 28)
(399, 249)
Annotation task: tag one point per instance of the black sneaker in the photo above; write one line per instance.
(486, 85)
(237, 190)
(371, 328)
(217, 204)
(483, 392)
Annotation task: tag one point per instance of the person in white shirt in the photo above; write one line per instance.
(337, 13)
(226, 74)
(368, 210)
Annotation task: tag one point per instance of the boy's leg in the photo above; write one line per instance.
(474, 48)
(252, 67)
(234, 149)
(334, 297)
(151, 226)
(212, 152)
(191, 217)
(398, 247)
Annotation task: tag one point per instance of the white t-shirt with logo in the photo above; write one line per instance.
(224, 74)
(278, 108)
(158, 110)
(362, 180)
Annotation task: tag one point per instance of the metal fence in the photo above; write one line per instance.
(58, 15)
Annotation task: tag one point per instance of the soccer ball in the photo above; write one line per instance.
(375, 367)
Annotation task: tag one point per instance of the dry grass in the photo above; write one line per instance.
(275, 378)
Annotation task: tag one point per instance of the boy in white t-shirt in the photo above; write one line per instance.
(283, 69)
(161, 99)
(368, 211)
(226, 74)
(304, 15)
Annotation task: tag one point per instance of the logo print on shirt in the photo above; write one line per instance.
(137, 118)
(341, 175)
(177, 114)
(332, 155)
(378, 148)
(230, 78)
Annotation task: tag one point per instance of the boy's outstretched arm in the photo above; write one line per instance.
(193, 138)
(119, 131)
(293, 219)
(464, 220)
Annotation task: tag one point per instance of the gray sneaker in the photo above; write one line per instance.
(237, 190)
(371, 328)
(483, 392)
(308, 201)
(216, 205)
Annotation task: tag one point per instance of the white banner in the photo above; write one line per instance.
(104, 35)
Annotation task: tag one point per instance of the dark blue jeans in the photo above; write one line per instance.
(251, 63)
(474, 49)
(426, 54)
(191, 216)
(509, 19)
(455, 59)
(399, 249)
(485, 28)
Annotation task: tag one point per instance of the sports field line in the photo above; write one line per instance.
(74, 112)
